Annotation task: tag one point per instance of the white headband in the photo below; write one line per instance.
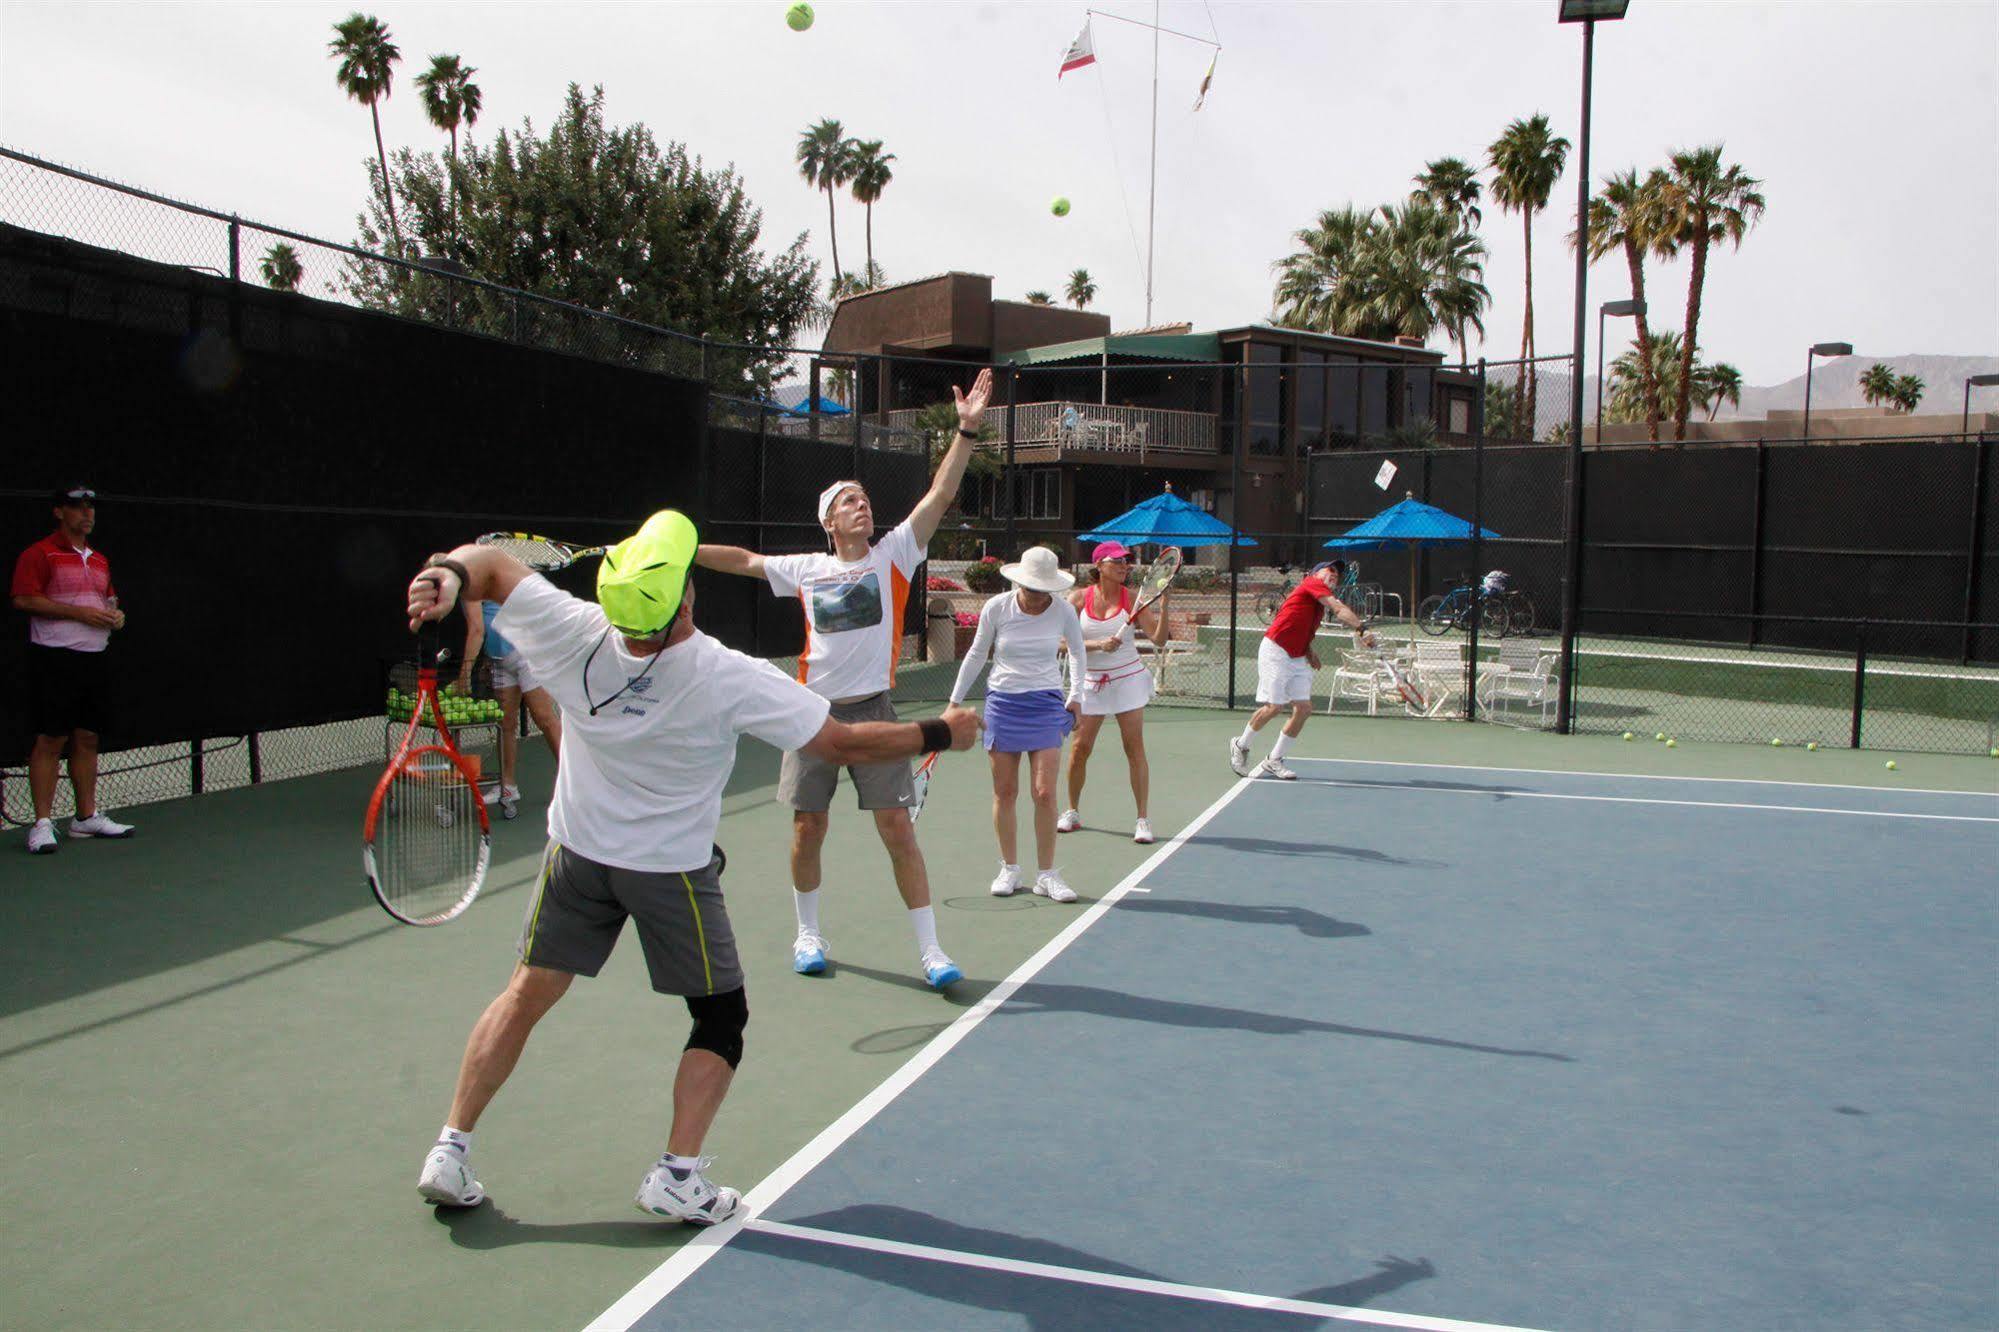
(831, 493)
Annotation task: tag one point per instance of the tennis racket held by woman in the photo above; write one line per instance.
(1153, 585)
(426, 841)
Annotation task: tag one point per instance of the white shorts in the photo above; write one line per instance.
(1120, 689)
(511, 672)
(1280, 677)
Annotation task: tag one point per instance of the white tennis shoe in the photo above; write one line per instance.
(808, 953)
(1142, 833)
(1069, 822)
(1238, 756)
(1274, 767)
(686, 1195)
(1007, 882)
(42, 838)
(447, 1179)
(1049, 884)
(99, 824)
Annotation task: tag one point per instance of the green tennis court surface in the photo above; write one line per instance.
(223, 1063)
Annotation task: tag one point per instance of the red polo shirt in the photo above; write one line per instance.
(55, 569)
(1298, 618)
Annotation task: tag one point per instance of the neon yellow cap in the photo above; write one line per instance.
(643, 578)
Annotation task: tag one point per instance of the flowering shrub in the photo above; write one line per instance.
(985, 575)
(965, 620)
(939, 583)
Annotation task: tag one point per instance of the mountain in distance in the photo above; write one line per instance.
(1836, 383)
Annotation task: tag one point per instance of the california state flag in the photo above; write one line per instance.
(1079, 53)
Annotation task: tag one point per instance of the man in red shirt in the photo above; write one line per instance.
(1284, 665)
(65, 588)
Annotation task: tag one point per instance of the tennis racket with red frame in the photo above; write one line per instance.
(1153, 584)
(920, 784)
(426, 841)
(1403, 684)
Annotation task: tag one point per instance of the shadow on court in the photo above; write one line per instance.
(1036, 998)
(962, 995)
(487, 1227)
(1311, 924)
(1045, 1304)
(1273, 846)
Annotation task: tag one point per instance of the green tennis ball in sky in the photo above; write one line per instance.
(799, 16)
(1060, 205)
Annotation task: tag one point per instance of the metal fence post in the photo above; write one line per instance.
(1477, 533)
(1756, 542)
(1859, 682)
(196, 777)
(235, 249)
(256, 747)
(1008, 479)
(1972, 553)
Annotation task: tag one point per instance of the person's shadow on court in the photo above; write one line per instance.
(1275, 846)
(1046, 1304)
(1311, 924)
(488, 1227)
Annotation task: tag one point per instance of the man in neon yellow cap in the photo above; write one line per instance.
(853, 599)
(651, 711)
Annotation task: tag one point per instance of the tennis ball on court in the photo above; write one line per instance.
(1060, 206)
(1812, 745)
(1627, 735)
(1777, 742)
(1890, 765)
(799, 16)
(1661, 735)
(1995, 753)
(1672, 744)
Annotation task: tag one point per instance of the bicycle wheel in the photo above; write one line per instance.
(1519, 613)
(1434, 617)
(1266, 606)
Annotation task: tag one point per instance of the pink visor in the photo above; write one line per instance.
(1109, 550)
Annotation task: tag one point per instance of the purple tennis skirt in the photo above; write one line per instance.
(1023, 723)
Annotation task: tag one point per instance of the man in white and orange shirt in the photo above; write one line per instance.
(854, 599)
(65, 588)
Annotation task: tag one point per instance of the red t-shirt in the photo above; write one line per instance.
(55, 569)
(1298, 618)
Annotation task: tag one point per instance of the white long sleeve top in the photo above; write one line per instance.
(1022, 648)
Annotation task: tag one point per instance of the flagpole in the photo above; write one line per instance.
(1152, 194)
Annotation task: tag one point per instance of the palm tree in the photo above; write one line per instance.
(871, 175)
(1423, 272)
(367, 71)
(1908, 392)
(450, 99)
(281, 269)
(1452, 185)
(1040, 298)
(1705, 201)
(1526, 161)
(1080, 291)
(826, 161)
(1625, 216)
(1877, 385)
(1321, 286)
(1716, 384)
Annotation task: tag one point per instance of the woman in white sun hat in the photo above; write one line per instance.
(1117, 682)
(1028, 708)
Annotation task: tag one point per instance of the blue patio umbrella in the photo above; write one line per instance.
(1166, 520)
(1409, 525)
(798, 399)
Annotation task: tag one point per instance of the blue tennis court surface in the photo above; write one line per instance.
(1423, 1047)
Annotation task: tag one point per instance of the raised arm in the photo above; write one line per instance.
(729, 560)
(929, 511)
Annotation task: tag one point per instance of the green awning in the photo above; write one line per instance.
(1132, 346)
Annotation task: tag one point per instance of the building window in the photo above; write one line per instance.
(1038, 494)
(1460, 417)
(1311, 390)
(1266, 398)
(1343, 388)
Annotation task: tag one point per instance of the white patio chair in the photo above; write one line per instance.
(1524, 672)
(1439, 668)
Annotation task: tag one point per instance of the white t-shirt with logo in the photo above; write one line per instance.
(853, 612)
(640, 784)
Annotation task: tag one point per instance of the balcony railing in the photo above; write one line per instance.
(1090, 428)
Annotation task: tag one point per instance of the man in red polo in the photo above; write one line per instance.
(65, 588)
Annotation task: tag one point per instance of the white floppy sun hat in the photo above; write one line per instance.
(1039, 571)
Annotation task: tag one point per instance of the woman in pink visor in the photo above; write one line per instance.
(1116, 682)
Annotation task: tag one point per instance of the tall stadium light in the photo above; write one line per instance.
(1588, 13)
(1819, 349)
(1622, 309)
(1974, 381)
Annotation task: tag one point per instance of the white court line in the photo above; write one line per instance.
(1640, 776)
(691, 1255)
(1141, 1285)
(1651, 800)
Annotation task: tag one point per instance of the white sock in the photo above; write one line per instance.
(458, 1140)
(681, 1163)
(924, 921)
(807, 906)
(1280, 745)
(1248, 734)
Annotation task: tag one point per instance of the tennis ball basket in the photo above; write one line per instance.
(471, 712)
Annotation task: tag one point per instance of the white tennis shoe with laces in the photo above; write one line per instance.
(1274, 767)
(447, 1179)
(686, 1195)
(1049, 884)
(1007, 882)
(1070, 821)
(99, 824)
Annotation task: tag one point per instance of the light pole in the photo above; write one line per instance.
(1588, 13)
(1622, 309)
(1974, 381)
(1819, 349)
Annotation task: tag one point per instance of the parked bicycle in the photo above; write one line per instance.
(1495, 608)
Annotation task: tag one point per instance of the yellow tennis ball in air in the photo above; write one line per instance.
(1060, 205)
(799, 16)
(1672, 744)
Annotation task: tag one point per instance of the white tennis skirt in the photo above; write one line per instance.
(1119, 689)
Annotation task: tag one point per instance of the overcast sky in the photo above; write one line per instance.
(1873, 125)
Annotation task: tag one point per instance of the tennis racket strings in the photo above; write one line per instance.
(428, 857)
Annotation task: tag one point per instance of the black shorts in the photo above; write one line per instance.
(68, 690)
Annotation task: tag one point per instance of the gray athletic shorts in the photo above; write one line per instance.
(579, 909)
(806, 783)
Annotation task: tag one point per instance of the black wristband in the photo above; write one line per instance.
(446, 562)
(936, 734)
(967, 434)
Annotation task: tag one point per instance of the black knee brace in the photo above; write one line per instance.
(719, 1020)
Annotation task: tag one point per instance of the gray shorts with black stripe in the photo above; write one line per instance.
(579, 907)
